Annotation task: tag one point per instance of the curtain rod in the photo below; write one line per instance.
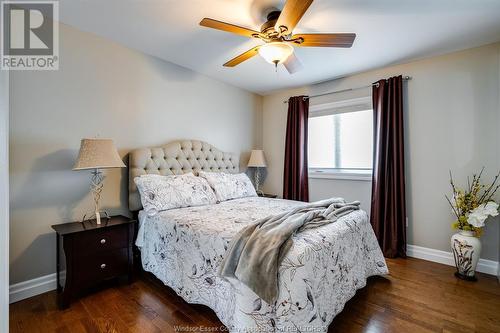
(405, 78)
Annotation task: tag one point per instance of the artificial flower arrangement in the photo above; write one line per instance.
(473, 205)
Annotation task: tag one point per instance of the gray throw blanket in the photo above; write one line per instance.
(256, 252)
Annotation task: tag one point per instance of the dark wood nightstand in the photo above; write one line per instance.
(266, 195)
(94, 253)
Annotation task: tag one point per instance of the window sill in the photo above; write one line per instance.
(341, 175)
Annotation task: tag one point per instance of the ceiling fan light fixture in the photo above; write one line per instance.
(275, 52)
(277, 34)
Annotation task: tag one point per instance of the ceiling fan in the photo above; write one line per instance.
(278, 37)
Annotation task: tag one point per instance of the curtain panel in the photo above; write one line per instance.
(295, 178)
(388, 205)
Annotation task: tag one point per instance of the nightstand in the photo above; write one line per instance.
(266, 195)
(94, 253)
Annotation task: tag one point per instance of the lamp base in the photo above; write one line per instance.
(257, 180)
(96, 216)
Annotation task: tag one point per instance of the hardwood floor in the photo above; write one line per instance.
(418, 296)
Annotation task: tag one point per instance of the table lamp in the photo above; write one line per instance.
(97, 154)
(257, 160)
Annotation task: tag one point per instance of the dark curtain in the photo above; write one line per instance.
(388, 206)
(295, 180)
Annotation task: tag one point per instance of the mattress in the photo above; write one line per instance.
(321, 272)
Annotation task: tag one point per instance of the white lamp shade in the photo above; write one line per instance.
(98, 154)
(275, 52)
(257, 159)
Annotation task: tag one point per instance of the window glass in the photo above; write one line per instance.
(341, 141)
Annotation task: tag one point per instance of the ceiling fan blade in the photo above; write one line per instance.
(325, 40)
(242, 57)
(292, 64)
(291, 15)
(219, 25)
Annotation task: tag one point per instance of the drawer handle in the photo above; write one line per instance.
(103, 266)
(103, 241)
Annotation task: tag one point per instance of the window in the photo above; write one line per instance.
(340, 139)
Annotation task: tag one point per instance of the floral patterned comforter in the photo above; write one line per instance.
(321, 272)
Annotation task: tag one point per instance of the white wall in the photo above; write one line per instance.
(452, 116)
(498, 273)
(104, 89)
(4, 201)
(351, 190)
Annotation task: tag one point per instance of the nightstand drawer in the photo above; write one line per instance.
(101, 266)
(102, 240)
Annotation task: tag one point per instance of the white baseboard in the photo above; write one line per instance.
(30, 288)
(43, 284)
(443, 257)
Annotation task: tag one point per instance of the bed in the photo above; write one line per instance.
(184, 248)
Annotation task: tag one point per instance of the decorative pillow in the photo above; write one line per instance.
(160, 193)
(229, 186)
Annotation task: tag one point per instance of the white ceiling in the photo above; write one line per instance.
(388, 32)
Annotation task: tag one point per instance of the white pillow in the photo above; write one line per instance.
(160, 193)
(229, 186)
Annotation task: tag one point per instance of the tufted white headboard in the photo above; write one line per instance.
(174, 159)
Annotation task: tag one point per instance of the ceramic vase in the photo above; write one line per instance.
(466, 249)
